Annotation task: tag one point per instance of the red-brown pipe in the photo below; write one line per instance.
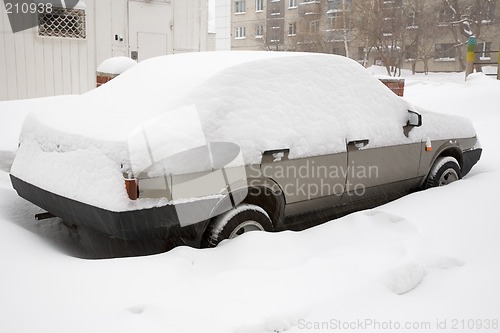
(132, 188)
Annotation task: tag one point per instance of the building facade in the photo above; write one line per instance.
(61, 54)
(422, 35)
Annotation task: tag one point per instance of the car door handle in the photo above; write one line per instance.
(276, 155)
(359, 143)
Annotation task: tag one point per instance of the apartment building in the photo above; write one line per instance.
(265, 25)
(422, 35)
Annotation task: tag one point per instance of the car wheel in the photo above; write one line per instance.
(444, 171)
(244, 218)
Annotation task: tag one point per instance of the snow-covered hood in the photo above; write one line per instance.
(438, 126)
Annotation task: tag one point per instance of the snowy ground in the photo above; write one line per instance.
(429, 261)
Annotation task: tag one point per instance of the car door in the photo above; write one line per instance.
(307, 183)
(380, 171)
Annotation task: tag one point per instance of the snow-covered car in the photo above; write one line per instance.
(198, 148)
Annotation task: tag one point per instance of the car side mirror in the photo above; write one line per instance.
(414, 119)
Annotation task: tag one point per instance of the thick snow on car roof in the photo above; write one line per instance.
(142, 93)
(309, 103)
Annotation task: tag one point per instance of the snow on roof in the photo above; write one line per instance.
(116, 65)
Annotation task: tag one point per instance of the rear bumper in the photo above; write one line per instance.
(153, 223)
(470, 158)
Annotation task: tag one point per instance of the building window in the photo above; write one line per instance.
(410, 52)
(445, 16)
(240, 6)
(333, 21)
(240, 33)
(339, 51)
(314, 26)
(361, 53)
(392, 3)
(62, 22)
(484, 49)
(412, 21)
(339, 35)
(259, 31)
(445, 52)
(489, 12)
(259, 5)
(292, 3)
(338, 20)
(338, 5)
(275, 11)
(388, 27)
(292, 29)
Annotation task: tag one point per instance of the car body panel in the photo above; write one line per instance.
(186, 220)
(374, 167)
(304, 179)
(456, 146)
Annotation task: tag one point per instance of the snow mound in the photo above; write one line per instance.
(6, 158)
(116, 65)
(384, 216)
(404, 277)
(381, 72)
(444, 262)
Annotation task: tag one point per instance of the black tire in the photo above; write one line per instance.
(243, 218)
(444, 171)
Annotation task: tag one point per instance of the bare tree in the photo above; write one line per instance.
(421, 30)
(273, 40)
(381, 25)
(310, 38)
(271, 34)
(466, 18)
(338, 29)
(310, 34)
(346, 27)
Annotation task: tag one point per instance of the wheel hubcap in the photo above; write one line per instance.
(449, 176)
(245, 227)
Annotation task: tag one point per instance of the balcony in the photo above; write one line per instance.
(310, 8)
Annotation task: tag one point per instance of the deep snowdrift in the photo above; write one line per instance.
(425, 259)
